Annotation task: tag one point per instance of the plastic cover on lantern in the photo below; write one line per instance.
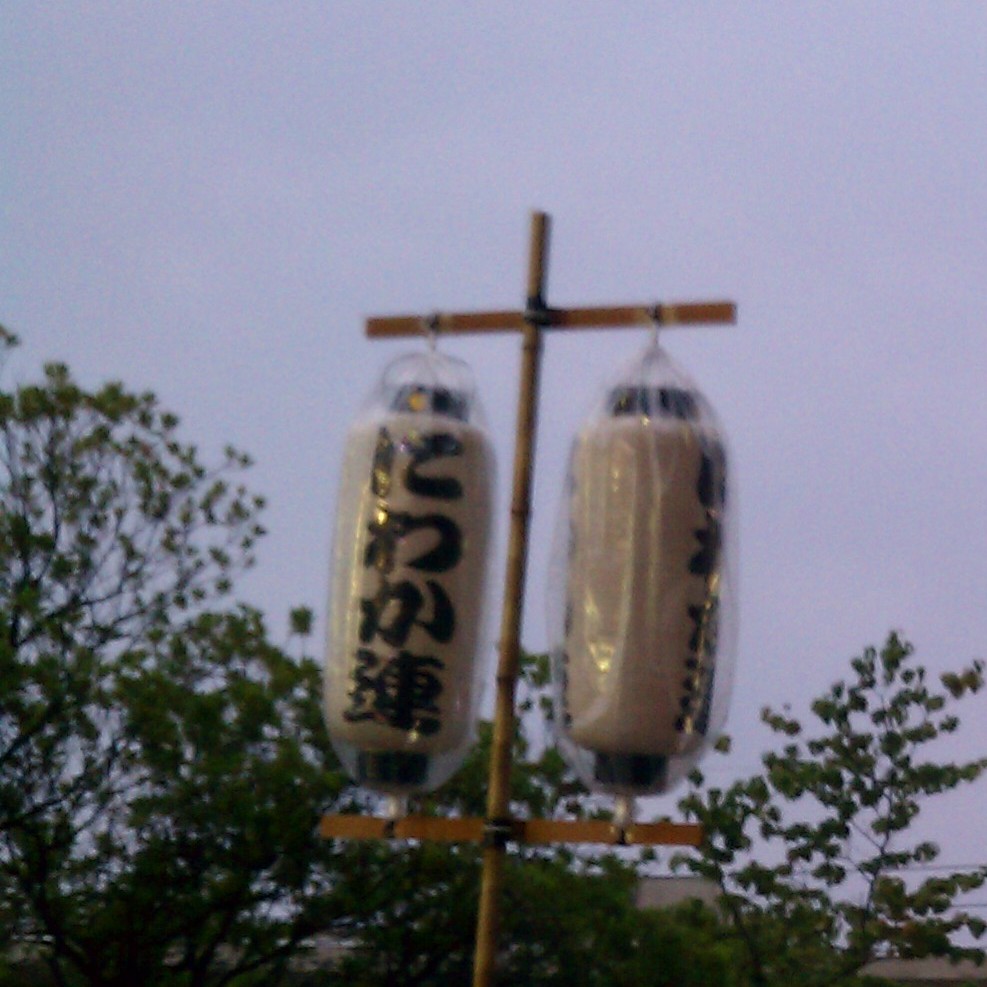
(641, 610)
(410, 550)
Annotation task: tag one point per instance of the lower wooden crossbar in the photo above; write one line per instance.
(444, 829)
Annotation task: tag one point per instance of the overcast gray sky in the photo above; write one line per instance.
(208, 199)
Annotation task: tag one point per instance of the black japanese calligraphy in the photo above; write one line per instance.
(711, 492)
(399, 691)
(389, 530)
(402, 689)
(391, 613)
(423, 450)
(705, 562)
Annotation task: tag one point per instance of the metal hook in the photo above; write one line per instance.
(656, 323)
(430, 327)
(395, 808)
(623, 819)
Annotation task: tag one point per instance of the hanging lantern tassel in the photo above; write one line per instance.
(408, 579)
(642, 654)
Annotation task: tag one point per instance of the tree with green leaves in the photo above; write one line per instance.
(812, 857)
(162, 763)
(569, 914)
(815, 858)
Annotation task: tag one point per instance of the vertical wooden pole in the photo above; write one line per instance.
(498, 792)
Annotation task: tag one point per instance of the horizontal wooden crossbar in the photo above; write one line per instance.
(677, 314)
(528, 831)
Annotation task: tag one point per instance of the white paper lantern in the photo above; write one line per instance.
(408, 579)
(642, 641)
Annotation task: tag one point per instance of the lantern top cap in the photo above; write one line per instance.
(428, 382)
(652, 385)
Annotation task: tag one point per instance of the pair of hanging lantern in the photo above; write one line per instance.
(640, 600)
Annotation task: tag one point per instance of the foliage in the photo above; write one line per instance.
(812, 855)
(162, 764)
(568, 919)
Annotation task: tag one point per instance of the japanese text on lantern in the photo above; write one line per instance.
(392, 685)
(711, 493)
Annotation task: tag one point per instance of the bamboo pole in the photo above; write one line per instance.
(499, 828)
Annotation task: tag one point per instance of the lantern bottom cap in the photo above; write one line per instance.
(630, 772)
(392, 769)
